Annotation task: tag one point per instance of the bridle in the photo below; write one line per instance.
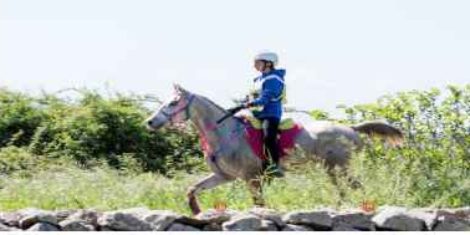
(185, 108)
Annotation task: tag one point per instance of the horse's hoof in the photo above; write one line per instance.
(195, 212)
(260, 203)
(195, 215)
(355, 184)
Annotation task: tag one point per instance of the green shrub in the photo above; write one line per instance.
(19, 161)
(19, 118)
(93, 127)
(436, 152)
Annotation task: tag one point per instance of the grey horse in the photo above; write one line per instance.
(230, 157)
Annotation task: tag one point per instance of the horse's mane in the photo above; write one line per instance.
(213, 103)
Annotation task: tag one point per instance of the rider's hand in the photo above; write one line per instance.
(247, 105)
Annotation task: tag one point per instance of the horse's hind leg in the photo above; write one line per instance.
(338, 156)
(337, 166)
(344, 173)
(211, 181)
(256, 189)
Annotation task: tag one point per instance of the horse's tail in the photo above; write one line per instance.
(392, 134)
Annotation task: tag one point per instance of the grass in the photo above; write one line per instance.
(109, 189)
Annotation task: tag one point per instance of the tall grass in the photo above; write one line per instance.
(107, 189)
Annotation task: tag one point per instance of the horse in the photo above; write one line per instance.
(228, 153)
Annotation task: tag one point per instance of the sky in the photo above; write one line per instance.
(335, 52)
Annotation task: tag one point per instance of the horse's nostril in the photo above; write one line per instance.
(149, 122)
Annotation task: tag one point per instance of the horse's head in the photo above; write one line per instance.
(175, 111)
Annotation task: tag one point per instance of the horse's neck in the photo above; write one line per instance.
(205, 116)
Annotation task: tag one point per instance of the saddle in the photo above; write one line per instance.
(285, 124)
(288, 130)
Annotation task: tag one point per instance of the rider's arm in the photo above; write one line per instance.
(271, 88)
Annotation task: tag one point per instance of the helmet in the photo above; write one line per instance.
(268, 56)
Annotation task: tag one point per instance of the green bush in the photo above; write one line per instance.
(93, 127)
(436, 149)
(19, 118)
(20, 162)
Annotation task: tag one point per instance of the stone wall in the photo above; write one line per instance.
(257, 219)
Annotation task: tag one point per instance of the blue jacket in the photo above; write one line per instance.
(271, 89)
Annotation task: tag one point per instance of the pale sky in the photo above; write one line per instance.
(334, 51)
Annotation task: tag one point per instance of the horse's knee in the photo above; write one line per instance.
(191, 192)
(256, 190)
(255, 183)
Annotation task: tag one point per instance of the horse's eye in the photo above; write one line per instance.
(173, 103)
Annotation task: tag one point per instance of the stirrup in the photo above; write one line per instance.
(274, 171)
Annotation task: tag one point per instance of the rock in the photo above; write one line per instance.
(13, 218)
(125, 220)
(160, 220)
(318, 220)
(268, 225)
(460, 213)
(137, 219)
(428, 217)
(183, 219)
(452, 224)
(104, 228)
(90, 216)
(343, 227)
(5, 228)
(212, 227)
(216, 216)
(294, 227)
(255, 219)
(76, 225)
(268, 214)
(182, 227)
(355, 219)
(10, 218)
(397, 219)
(63, 214)
(41, 226)
(32, 216)
(242, 222)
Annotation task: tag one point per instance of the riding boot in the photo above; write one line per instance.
(275, 167)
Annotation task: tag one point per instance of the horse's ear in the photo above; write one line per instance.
(176, 87)
(179, 90)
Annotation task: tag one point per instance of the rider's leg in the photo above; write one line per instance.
(271, 125)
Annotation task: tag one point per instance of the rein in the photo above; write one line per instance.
(209, 127)
(170, 116)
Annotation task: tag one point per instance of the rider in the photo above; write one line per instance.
(266, 103)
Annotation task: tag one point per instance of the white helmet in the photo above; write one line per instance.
(268, 56)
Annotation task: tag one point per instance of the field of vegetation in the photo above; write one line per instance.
(93, 151)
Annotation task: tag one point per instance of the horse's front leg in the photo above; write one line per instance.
(211, 181)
